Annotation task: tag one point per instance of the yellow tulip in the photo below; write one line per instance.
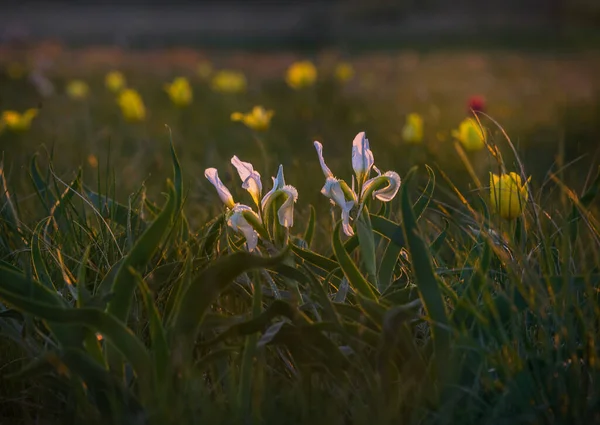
(16, 121)
(77, 89)
(180, 91)
(470, 135)
(229, 82)
(204, 69)
(508, 195)
(344, 72)
(301, 74)
(412, 132)
(114, 81)
(132, 105)
(258, 119)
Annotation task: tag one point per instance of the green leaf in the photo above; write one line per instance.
(160, 347)
(141, 254)
(310, 228)
(426, 282)
(39, 265)
(355, 278)
(41, 187)
(203, 291)
(113, 210)
(315, 259)
(367, 244)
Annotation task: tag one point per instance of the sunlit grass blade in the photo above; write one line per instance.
(146, 246)
(310, 227)
(356, 279)
(426, 282)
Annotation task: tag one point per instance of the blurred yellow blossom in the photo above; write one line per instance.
(229, 82)
(412, 132)
(180, 91)
(15, 70)
(77, 89)
(301, 74)
(18, 121)
(258, 119)
(470, 135)
(114, 81)
(132, 106)
(344, 72)
(204, 69)
(92, 160)
(508, 195)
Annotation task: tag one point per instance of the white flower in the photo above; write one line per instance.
(362, 157)
(250, 178)
(286, 211)
(382, 187)
(213, 176)
(333, 190)
(238, 223)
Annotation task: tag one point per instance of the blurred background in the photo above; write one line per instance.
(304, 24)
(535, 63)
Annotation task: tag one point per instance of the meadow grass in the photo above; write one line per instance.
(127, 296)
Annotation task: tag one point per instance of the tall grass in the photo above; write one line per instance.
(124, 313)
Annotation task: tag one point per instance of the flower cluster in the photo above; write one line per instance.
(242, 218)
(383, 187)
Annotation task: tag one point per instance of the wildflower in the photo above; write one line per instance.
(476, 104)
(180, 91)
(204, 69)
(242, 218)
(77, 89)
(229, 82)
(132, 106)
(344, 72)
(470, 135)
(301, 74)
(383, 187)
(213, 176)
(507, 194)
(114, 81)
(16, 121)
(258, 119)
(412, 132)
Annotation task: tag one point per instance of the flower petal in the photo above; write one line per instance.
(286, 212)
(238, 223)
(250, 178)
(333, 191)
(362, 156)
(278, 184)
(213, 176)
(324, 167)
(383, 187)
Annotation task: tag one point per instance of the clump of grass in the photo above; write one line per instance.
(436, 311)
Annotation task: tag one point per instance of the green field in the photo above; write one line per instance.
(128, 295)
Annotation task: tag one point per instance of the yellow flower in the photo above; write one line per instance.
(114, 81)
(15, 70)
(132, 106)
(229, 82)
(301, 74)
(204, 69)
(77, 89)
(344, 72)
(180, 91)
(412, 132)
(258, 119)
(508, 195)
(18, 122)
(470, 135)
